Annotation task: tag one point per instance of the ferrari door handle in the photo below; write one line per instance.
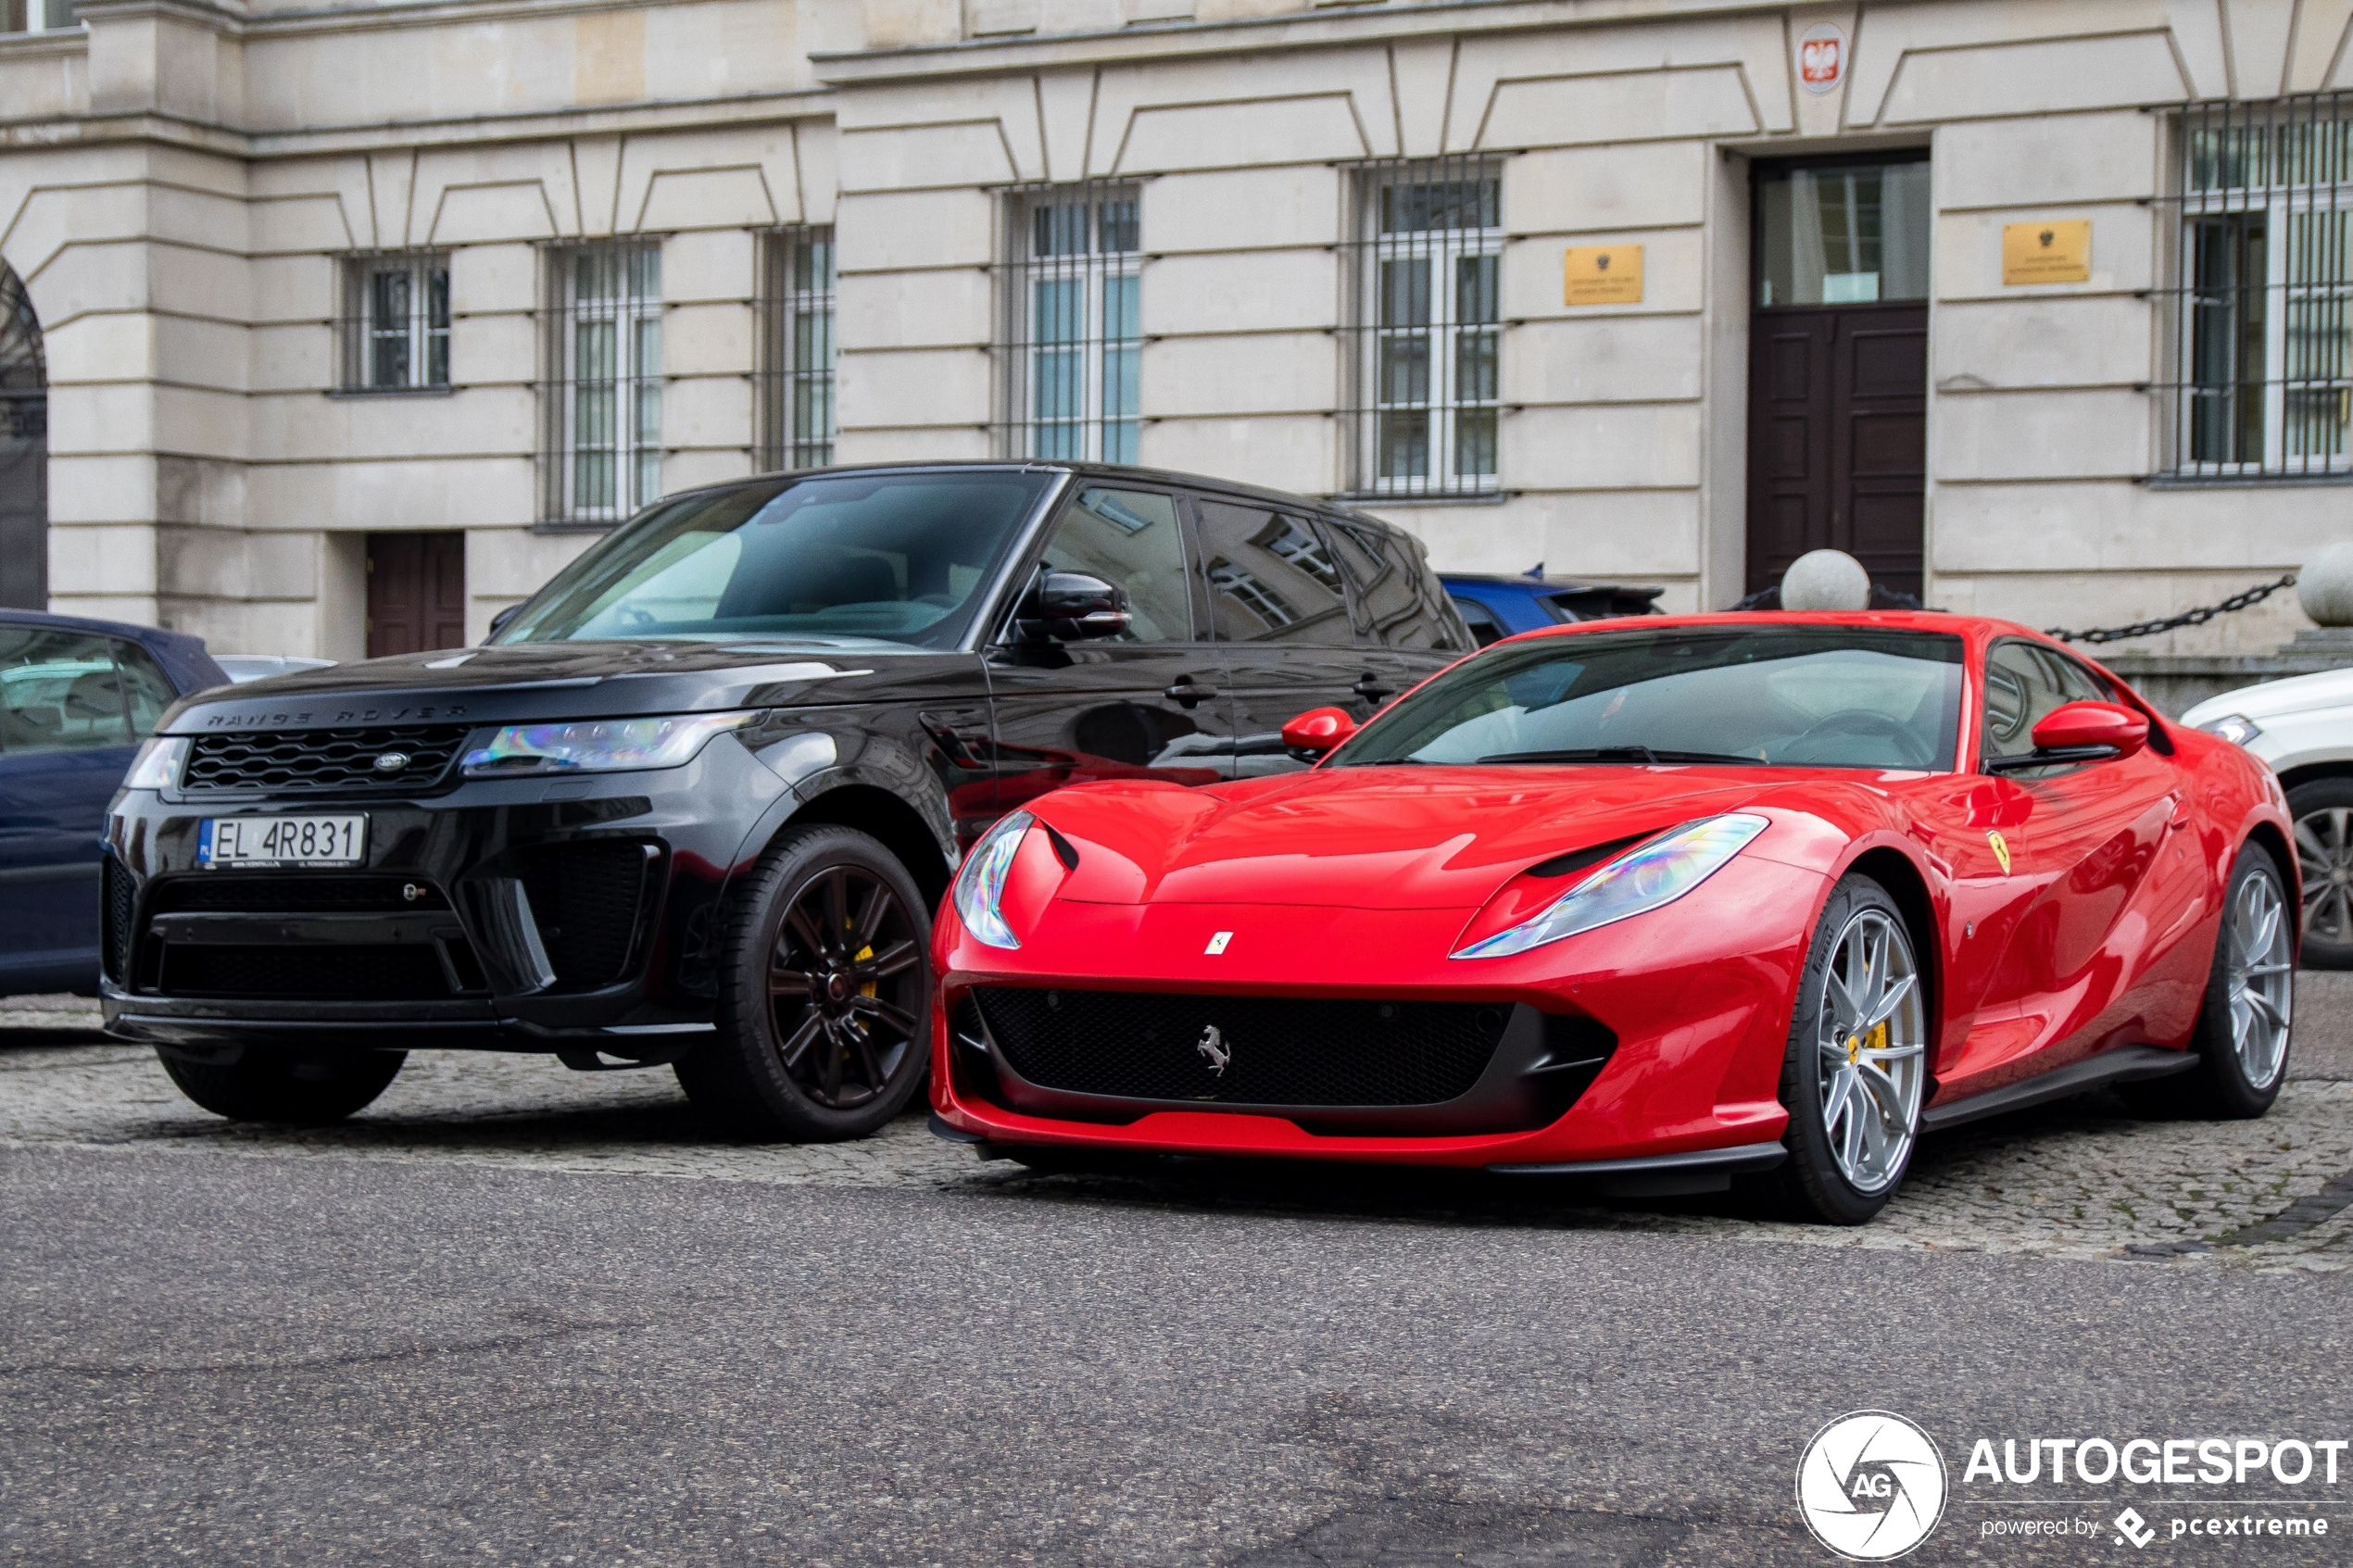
(1183, 693)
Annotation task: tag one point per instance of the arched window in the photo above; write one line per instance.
(24, 451)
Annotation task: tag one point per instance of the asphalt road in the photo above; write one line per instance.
(309, 1353)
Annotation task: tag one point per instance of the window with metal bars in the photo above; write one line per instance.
(37, 16)
(1426, 327)
(602, 401)
(1074, 317)
(2261, 348)
(395, 322)
(796, 315)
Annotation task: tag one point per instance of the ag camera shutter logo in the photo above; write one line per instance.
(1871, 1486)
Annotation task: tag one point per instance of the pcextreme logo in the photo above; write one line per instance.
(1870, 1486)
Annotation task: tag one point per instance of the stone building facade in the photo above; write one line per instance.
(355, 322)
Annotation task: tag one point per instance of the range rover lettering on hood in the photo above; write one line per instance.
(280, 718)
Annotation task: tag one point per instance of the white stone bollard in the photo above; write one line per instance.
(1826, 580)
(2324, 587)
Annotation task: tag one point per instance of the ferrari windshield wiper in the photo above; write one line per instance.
(1618, 754)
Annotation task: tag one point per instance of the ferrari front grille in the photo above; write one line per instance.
(1243, 1051)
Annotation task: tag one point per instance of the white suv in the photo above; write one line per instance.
(2303, 727)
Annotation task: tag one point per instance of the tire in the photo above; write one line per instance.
(825, 996)
(2245, 1020)
(2323, 814)
(1852, 1132)
(295, 1091)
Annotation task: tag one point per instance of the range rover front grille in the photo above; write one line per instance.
(1278, 1051)
(317, 761)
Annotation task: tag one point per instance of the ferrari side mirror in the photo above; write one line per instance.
(1318, 731)
(2081, 731)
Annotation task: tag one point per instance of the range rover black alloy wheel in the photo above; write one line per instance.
(824, 993)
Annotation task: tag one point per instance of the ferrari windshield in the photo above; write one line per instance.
(896, 556)
(1775, 696)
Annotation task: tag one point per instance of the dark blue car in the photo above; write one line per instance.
(76, 699)
(1496, 608)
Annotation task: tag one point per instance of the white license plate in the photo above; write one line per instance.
(282, 841)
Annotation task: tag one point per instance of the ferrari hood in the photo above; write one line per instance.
(1393, 838)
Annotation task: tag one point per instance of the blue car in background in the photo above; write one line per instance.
(1496, 608)
(76, 699)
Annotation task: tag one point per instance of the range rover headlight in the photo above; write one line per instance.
(1640, 880)
(980, 882)
(598, 746)
(2236, 728)
(157, 764)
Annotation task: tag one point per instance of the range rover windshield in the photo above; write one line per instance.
(1779, 696)
(900, 557)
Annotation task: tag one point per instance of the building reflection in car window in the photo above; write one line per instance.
(898, 556)
(1824, 696)
(1128, 539)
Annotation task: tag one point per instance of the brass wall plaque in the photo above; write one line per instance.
(2054, 252)
(1603, 275)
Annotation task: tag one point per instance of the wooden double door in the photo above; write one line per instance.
(1838, 438)
(416, 593)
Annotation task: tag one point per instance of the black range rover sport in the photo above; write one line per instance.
(693, 802)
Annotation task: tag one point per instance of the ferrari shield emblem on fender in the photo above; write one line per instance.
(2001, 849)
(1213, 1046)
(1218, 943)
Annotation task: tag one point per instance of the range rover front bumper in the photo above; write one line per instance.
(567, 915)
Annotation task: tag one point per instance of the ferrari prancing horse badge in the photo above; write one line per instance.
(2001, 849)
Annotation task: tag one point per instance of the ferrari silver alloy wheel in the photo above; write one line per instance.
(1872, 1034)
(2260, 979)
(2324, 850)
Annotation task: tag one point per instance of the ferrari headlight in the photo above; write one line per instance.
(157, 764)
(2236, 728)
(598, 746)
(980, 883)
(1640, 880)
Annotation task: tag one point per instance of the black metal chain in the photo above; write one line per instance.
(2197, 617)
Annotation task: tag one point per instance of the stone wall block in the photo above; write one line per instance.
(1639, 446)
(1279, 373)
(1284, 291)
(2101, 434)
(916, 229)
(915, 309)
(1597, 357)
(915, 387)
(1597, 190)
(1296, 452)
(1297, 205)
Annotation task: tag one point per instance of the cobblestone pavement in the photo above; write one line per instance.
(2081, 1179)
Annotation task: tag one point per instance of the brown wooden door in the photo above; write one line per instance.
(416, 593)
(1838, 439)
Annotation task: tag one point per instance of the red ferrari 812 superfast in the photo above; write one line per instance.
(1656, 903)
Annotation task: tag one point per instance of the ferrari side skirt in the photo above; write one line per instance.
(2125, 1064)
(1662, 1175)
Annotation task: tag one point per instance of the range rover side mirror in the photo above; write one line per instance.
(1318, 731)
(498, 621)
(1070, 606)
